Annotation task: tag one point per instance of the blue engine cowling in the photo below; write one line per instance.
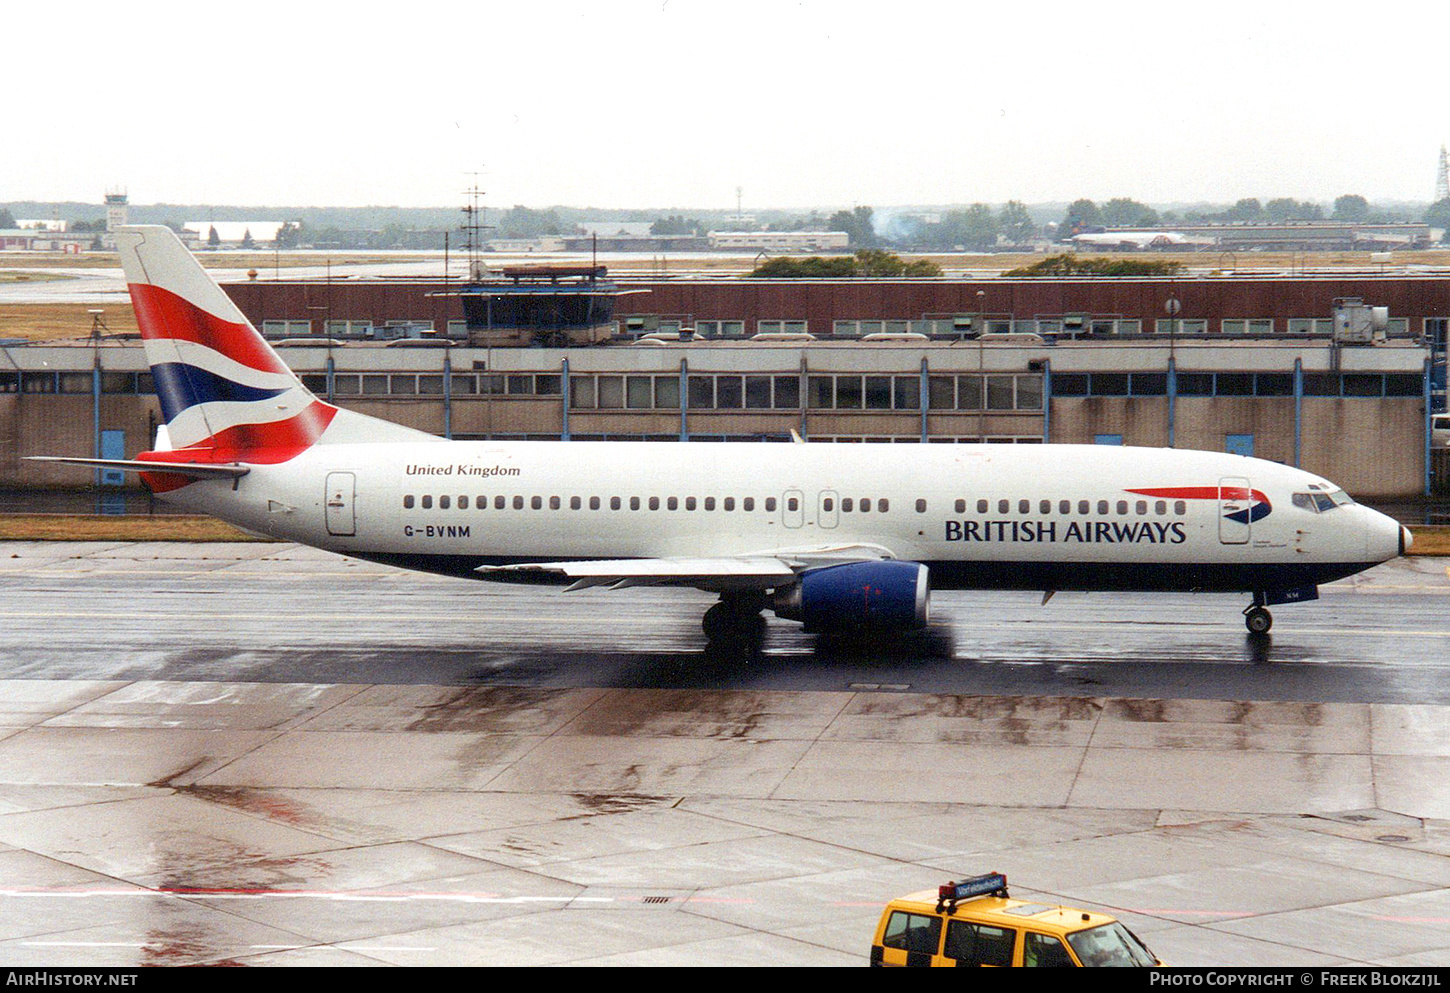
(857, 596)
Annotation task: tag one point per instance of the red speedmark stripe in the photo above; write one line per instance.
(162, 314)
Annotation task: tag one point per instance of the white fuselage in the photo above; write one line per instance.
(980, 516)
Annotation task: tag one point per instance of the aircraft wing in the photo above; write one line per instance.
(743, 572)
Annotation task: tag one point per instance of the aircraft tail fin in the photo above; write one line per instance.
(225, 395)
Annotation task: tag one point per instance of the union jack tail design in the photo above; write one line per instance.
(225, 395)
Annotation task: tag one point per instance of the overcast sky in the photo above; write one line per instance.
(671, 103)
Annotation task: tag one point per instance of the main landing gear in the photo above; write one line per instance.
(735, 620)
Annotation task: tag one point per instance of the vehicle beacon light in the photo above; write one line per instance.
(991, 884)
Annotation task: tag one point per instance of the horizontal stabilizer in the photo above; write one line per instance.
(196, 470)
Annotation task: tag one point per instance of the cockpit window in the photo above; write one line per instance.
(1319, 501)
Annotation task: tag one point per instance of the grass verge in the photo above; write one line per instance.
(87, 527)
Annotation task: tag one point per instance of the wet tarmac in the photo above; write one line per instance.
(268, 755)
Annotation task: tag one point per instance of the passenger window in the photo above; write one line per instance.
(770, 505)
(593, 503)
(408, 502)
(865, 506)
(499, 503)
(1082, 507)
(537, 503)
(1024, 506)
(981, 506)
(1122, 507)
(748, 503)
(1102, 507)
(463, 503)
(792, 504)
(689, 503)
(1142, 507)
(960, 506)
(882, 506)
(443, 503)
(575, 503)
(912, 932)
(654, 503)
(673, 503)
(1064, 506)
(1180, 508)
(709, 503)
(481, 502)
(828, 504)
(1044, 506)
(554, 503)
(634, 503)
(729, 503)
(427, 503)
(1044, 951)
(615, 503)
(846, 504)
(921, 506)
(1160, 507)
(979, 944)
(1003, 506)
(518, 503)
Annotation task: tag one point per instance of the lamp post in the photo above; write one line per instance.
(1172, 306)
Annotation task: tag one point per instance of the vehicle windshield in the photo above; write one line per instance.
(1110, 945)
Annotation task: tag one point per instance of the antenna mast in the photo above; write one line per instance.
(473, 227)
(1442, 179)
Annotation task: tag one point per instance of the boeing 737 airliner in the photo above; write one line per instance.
(839, 537)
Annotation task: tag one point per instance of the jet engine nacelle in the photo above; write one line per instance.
(869, 596)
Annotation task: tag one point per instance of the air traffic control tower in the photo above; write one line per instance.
(549, 305)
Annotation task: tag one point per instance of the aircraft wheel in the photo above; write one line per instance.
(729, 620)
(1258, 620)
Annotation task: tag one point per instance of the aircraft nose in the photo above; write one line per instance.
(1385, 537)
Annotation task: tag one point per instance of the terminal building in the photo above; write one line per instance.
(1275, 367)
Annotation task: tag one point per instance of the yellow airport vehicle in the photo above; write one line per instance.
(976, 923)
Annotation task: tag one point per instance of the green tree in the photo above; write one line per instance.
(247, 241)
(1350, 207)
(1015, 224)
(922, 269)
(212, 238)
(676, 224)
(1081, 214)
(857, 225)
(1438, 216)
(289, 234)
(7, 220)
(1247, 209)
(1122, 212)
(524, 222)
(1071, 265)
(1281, 209)
(867, 262)
(975, 228)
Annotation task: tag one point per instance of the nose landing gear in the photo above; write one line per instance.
(1257, 619)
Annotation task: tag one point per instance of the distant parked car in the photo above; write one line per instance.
(1440, 430)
